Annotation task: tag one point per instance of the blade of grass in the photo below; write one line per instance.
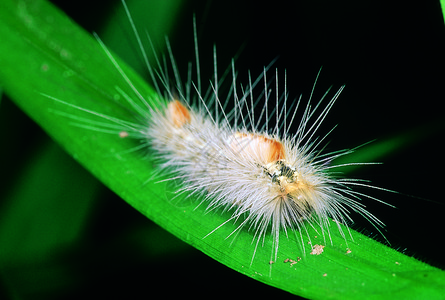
(43, 51)
(442, 4)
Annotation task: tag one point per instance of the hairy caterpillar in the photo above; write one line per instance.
(241, 161)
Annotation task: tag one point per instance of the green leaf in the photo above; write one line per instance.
(442, 4)
(42, 51)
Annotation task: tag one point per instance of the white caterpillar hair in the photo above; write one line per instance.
(271, 180)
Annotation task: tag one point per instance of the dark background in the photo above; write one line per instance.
(389, 56)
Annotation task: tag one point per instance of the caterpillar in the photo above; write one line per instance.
(245, 160)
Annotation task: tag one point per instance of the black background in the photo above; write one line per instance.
(390, 57)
